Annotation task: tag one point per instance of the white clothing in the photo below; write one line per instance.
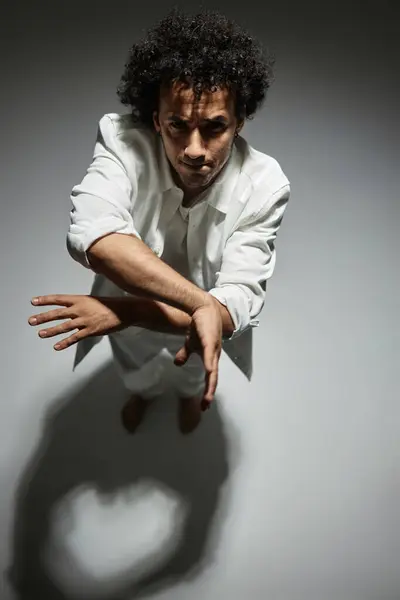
(145, 364)
(145, 360)
(231, 232)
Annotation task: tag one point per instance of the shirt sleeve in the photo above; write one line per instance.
(102, 202)
(248, 261)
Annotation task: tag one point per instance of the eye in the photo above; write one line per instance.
(178, 125)
(216, 128)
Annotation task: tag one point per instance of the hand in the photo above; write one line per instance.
(205, 338)
(90, 315)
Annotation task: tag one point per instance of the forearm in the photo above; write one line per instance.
(159, 316)
(131, 265)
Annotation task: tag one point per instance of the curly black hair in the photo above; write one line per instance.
(206, 51)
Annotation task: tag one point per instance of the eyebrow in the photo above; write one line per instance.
(216, 119)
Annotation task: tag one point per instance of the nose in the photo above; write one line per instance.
(195, 150)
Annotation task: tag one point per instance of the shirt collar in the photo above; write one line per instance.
(220, 192)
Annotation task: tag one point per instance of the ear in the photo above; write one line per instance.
(156, 122)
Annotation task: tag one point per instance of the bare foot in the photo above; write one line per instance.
(189, 414)
(133, 412)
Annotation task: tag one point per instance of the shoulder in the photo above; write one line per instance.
(134, 145)
(120, 130)
(265, 176)
(261, 168)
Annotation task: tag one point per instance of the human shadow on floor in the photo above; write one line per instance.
(84, 444)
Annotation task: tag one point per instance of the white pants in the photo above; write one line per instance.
(145, 363)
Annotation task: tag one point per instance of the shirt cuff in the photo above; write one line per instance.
(237, 303)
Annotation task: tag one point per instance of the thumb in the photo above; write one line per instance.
(181, 356)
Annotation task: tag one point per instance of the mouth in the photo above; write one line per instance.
(196, 168)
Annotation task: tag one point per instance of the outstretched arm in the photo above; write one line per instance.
(133, 266)
(94, 316)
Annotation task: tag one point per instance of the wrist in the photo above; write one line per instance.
(159, 316)
(200, 299)
(126, 309)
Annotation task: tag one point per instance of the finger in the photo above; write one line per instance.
(208, 357)
(53, 299)
(59, 329)
(181, 356)
(211, 386)
(51, 315)
(205, 405)
(211, 383)
(71, 340)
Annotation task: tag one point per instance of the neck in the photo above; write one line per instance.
(189, 197)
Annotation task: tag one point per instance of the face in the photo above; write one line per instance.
(197, 135)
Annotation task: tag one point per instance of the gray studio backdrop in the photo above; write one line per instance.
(290, 488)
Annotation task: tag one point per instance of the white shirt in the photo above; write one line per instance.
(227, 244)
(175, 252)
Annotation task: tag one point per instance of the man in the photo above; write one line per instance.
(177, 215)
